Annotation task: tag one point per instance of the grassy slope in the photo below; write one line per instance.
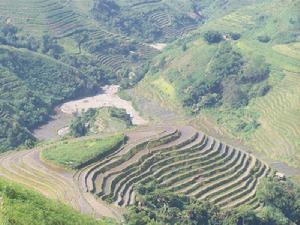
(278, 111)
(21, 206)
(74, 153)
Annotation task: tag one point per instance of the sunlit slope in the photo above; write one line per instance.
(279, 133)
(277, 113)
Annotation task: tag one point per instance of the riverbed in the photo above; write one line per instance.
(58, 125)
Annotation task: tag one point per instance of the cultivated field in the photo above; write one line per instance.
(182, 160)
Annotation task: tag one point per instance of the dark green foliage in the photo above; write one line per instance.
(255, 71)
(78, 128)
(242, 216)
(51, 47)
(83, 123)
(157, 206)
(121, 114)
(233, 96)
(30, 86)
(21, 206)
(32, 83)
(213, 37)
(9, 35)
(226, 62)
(230, 81)
(235, 36)
(282, 200)
(264, 39)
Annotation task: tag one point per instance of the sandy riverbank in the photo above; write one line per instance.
(107, 98)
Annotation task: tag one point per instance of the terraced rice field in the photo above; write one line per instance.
(279, 133)
(181, 160)
(37, 16)
(63, 19)
(25, 167)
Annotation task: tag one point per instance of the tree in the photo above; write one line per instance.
(255, 71)
(284, 197)
(213, 37)
(264, 38)
(78, 128)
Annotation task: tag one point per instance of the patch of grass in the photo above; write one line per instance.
(74, 153)
(289, 50)
(21, 206)
(69, 45)
(165, 87)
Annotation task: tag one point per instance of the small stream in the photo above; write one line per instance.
(58, 125)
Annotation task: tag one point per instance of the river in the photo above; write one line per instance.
(58, 125)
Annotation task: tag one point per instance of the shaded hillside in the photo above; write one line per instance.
(74, 27)
(158, 20)
(31, 84)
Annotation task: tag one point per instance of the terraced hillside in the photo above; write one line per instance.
(269, 122)
(66, 21)
(180, 160)
(150, 21)
(25, 167)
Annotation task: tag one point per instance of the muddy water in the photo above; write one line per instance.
(58, 125)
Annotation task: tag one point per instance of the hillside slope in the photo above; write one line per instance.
(31, 84)
(22, 206)
(265, 30)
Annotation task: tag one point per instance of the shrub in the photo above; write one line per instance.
(255, 71)
(264, 39)
(235, 36)
(213, 37)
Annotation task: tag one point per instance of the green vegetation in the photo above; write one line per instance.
(213, 37)
(242, 81)
(56, 52)
(97, 120)
(223, 77)
(182, 162)
(19, 206)
(149, 21)
(158, 206)
(76, 153)
(281, 201)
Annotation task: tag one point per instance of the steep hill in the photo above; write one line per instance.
(31, 84)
